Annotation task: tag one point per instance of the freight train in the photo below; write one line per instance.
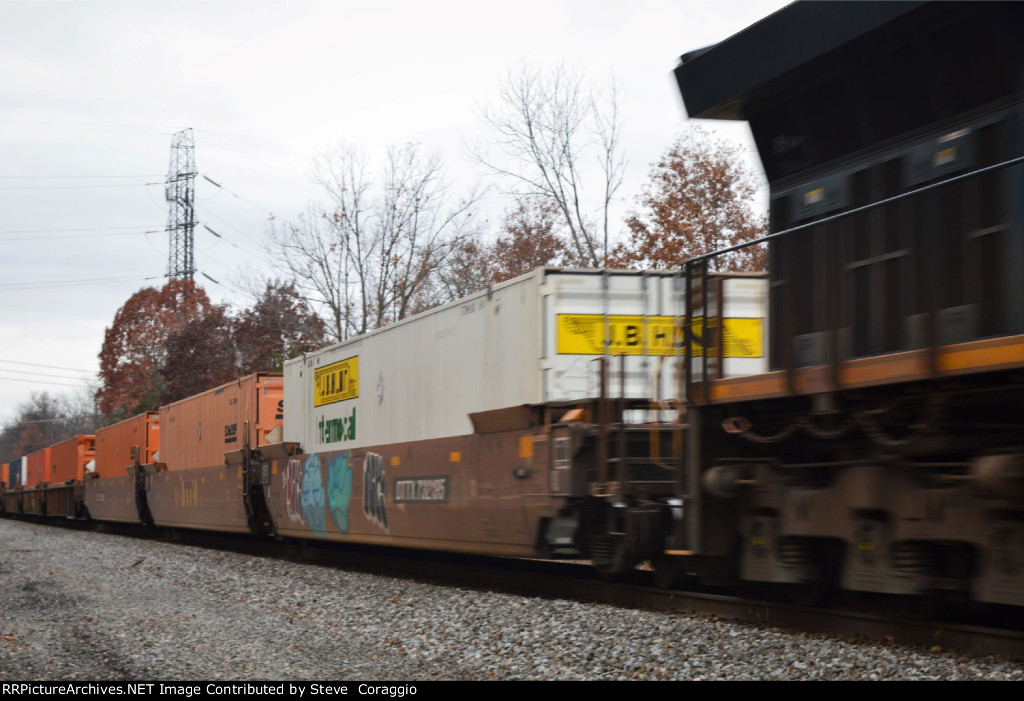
(852, 419)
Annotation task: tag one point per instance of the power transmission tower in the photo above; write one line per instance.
(181, 218)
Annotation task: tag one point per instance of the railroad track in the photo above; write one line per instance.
(577, 581)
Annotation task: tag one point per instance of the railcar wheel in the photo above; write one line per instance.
(814, 593)
(611, 557)
(669, 571)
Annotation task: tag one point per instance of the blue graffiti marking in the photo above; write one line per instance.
(339, 489)
(313, 496)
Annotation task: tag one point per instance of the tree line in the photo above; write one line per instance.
(390, 240)
(166, 344)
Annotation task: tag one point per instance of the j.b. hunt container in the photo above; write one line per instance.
(537, 338)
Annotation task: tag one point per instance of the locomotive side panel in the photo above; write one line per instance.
(883, 454)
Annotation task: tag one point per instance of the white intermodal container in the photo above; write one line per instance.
(537, 338)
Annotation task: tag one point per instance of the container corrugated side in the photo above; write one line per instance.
(36, 467)
(197, 431)
(114, 444)
(69, 458)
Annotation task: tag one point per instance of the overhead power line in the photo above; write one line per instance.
(235, 194)
(41, 374)
(43, 382)
(57, 231)
(40, 365)
(74, 236)
(17, 286)
(74, 177)
(71, 187)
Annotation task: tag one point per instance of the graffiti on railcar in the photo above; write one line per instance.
(292, 483)
(339, 488)
(313, 496)
(375, 490)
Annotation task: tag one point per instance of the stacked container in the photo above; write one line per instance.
(14, 473)
(537, 338)
(37, 467)
(198, 431)
(68, 459)
(115, 444)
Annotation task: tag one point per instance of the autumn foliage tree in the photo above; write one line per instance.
(135, 347)
(530, 238)
(531, 235)
(200, 354)
(168, 344)
(699, 199)
(279, 326)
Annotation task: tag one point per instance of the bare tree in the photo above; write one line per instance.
(46, 419)
(555, 133)
(375, 254)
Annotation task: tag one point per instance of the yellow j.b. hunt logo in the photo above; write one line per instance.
(336, 382)
(583, 334)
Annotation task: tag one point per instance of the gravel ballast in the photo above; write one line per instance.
(88, 605)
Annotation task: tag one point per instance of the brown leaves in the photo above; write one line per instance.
(530, 238)
(171, 343)
(698, 200)
(531, 235)
(135, 345)
(279, 326)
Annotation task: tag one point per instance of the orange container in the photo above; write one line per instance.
(114, 444)
(69, 458)
(196, 432)
(37, 465)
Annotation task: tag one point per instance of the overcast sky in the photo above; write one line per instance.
(91, 92)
